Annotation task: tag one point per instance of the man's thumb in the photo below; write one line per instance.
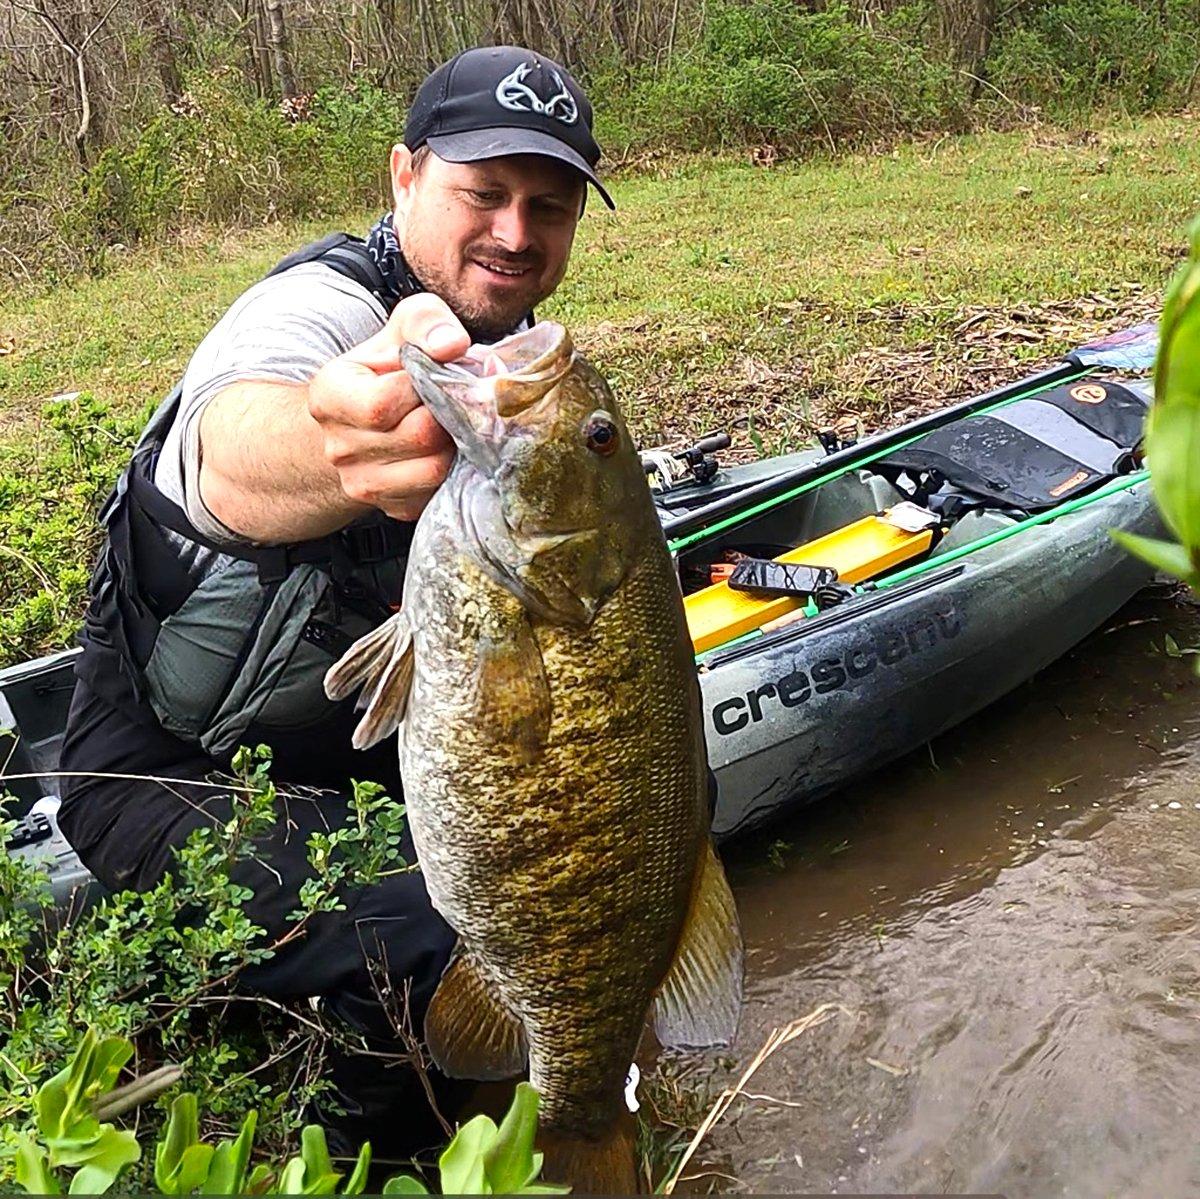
(423, 320)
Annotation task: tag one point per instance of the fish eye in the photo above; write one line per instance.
(600, 433)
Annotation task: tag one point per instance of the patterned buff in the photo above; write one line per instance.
(385, 250)
(399, 280)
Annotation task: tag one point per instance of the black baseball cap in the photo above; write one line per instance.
(498, 100)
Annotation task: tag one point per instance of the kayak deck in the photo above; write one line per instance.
(862, 550)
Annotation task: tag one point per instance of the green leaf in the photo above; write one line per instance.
(1172, 647)
(314, 1151)
(193, 1170)
(103, 1160)
(181, 1133)
(291, 1179)
(260, 1179)
(89, 1180)
(461, 1163)
(1173, 452)
(311, 1173)
(357, 1182)
(32, 1169)
(111, 1054)
(509, 1163)
(1168, 556)
(227, 1172)
(1173, 433)
(404, 1184)
(63, 1103)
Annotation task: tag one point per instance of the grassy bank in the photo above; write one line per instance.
(767, 300)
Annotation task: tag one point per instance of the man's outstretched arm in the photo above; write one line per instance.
(287, 462)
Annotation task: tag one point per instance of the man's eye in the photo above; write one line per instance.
(485, 197)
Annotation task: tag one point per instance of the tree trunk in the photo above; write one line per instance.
(258, 40)
(966, 27)
(162, 48)
(280, 54)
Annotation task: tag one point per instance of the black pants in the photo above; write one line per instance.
(125, 832)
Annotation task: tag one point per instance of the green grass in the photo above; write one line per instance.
(766, 300)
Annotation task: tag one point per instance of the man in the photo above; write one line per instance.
(262, 526)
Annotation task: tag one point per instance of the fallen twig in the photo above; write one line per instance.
(133, 1094)
(777, 1040)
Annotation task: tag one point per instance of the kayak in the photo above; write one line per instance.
(846, 604)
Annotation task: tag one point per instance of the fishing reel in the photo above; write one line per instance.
(668, 469)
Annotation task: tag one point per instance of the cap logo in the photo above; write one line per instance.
(515, 95)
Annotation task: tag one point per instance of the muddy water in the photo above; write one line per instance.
(1010, 919)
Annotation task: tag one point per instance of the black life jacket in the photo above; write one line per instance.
(222, 644)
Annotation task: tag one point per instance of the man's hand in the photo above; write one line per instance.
(287, 462)
(388, 451)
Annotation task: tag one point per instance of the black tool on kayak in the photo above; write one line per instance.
(831, 443)
(698, 458)
(765, 577)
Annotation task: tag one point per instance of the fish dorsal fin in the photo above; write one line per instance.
(469, 1031)
(381, 663)
(700, 1000)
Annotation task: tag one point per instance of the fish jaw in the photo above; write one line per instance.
(500, 404)
(489, 393)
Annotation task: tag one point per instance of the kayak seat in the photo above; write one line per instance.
(1026, 456)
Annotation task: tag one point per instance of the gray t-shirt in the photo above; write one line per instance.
(283, 329)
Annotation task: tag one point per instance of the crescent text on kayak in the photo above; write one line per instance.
(885, 647)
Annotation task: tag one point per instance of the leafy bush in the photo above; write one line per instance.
(223, 155)
(1073, 56)
(71, 1130)
(48, 533)
(159, 969)
(772, 71)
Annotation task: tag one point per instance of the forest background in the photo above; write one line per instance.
(126, 120)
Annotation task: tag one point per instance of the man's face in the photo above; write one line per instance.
(491, 238)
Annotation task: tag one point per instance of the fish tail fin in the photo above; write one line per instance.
(605, 1166)
(381, 664)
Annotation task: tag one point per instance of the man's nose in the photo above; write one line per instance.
(511, 227)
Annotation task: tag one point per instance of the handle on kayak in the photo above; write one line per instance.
(711, 443)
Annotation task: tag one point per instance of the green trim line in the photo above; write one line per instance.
(1124, 483)
(746, 513)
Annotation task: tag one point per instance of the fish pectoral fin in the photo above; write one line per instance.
(512, 696)
(469, 1031)
(381, 663)
(700, 1000)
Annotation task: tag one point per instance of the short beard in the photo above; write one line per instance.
(480, 326)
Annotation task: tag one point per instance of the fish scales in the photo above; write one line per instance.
(536, 866)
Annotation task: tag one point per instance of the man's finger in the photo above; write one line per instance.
(401, 489)
(351, 393)
(426, 321)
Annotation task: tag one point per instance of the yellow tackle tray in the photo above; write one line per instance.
(860, 551)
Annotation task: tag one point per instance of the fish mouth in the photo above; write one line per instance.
(492, 391)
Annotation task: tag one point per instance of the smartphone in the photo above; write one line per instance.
(769, 578)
